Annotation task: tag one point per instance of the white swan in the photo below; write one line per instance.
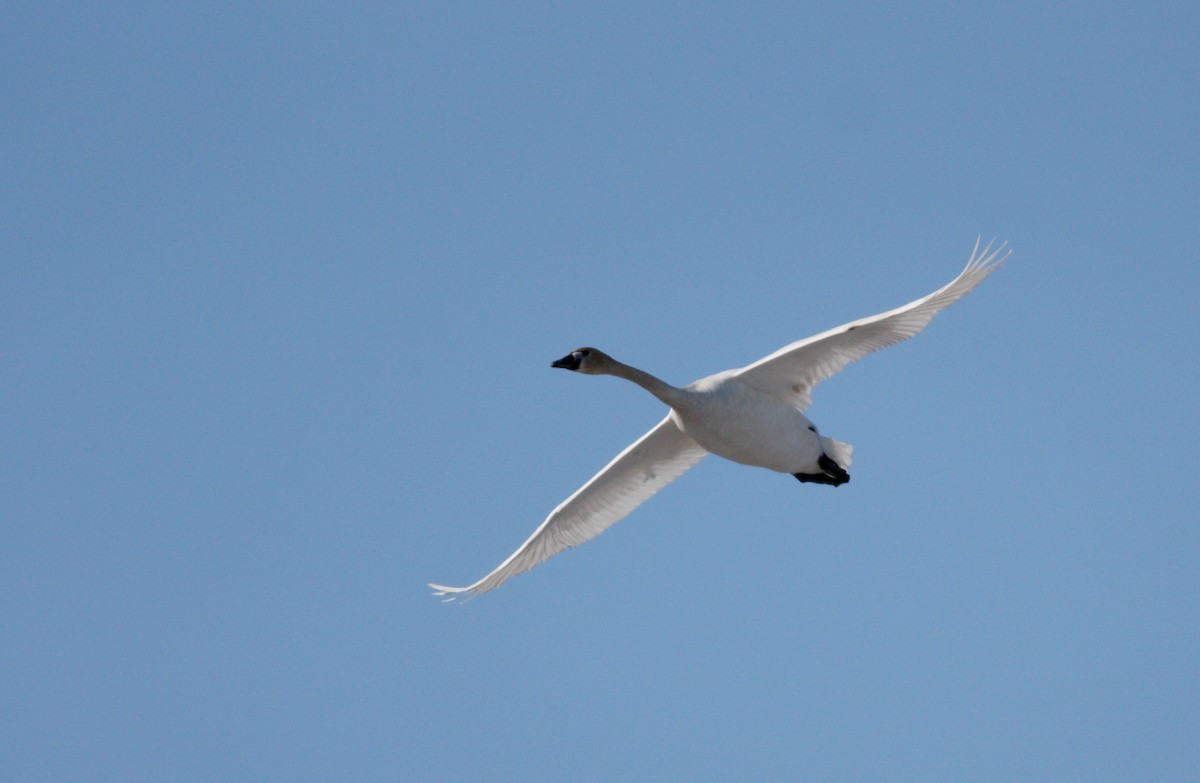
(752, 415)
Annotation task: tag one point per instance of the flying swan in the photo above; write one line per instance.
(752, 416)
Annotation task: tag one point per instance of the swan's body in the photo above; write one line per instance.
(734, 420)
(752, 416)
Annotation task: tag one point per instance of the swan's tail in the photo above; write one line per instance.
(839, 452)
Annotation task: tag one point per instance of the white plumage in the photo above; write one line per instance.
(752, 416)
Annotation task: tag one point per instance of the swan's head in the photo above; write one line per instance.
(585, 360)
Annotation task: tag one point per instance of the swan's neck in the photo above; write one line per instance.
(660, 389)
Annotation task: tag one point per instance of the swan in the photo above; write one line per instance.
(753, 415)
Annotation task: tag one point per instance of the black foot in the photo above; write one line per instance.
(817, 478)
(833, 469)
(832, 474)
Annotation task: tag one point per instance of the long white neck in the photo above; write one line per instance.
(660, 389)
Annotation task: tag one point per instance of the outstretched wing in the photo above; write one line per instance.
(656, 459)
(791, 372)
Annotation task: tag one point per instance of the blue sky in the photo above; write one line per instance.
(280, 288)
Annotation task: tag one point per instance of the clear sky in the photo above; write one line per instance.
(281, 284)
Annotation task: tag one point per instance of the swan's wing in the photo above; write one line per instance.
(791, 372)
(653, 461)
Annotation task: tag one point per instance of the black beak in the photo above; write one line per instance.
(568, 362)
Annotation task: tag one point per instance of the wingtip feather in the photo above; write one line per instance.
(453, 592)
(987, 260)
